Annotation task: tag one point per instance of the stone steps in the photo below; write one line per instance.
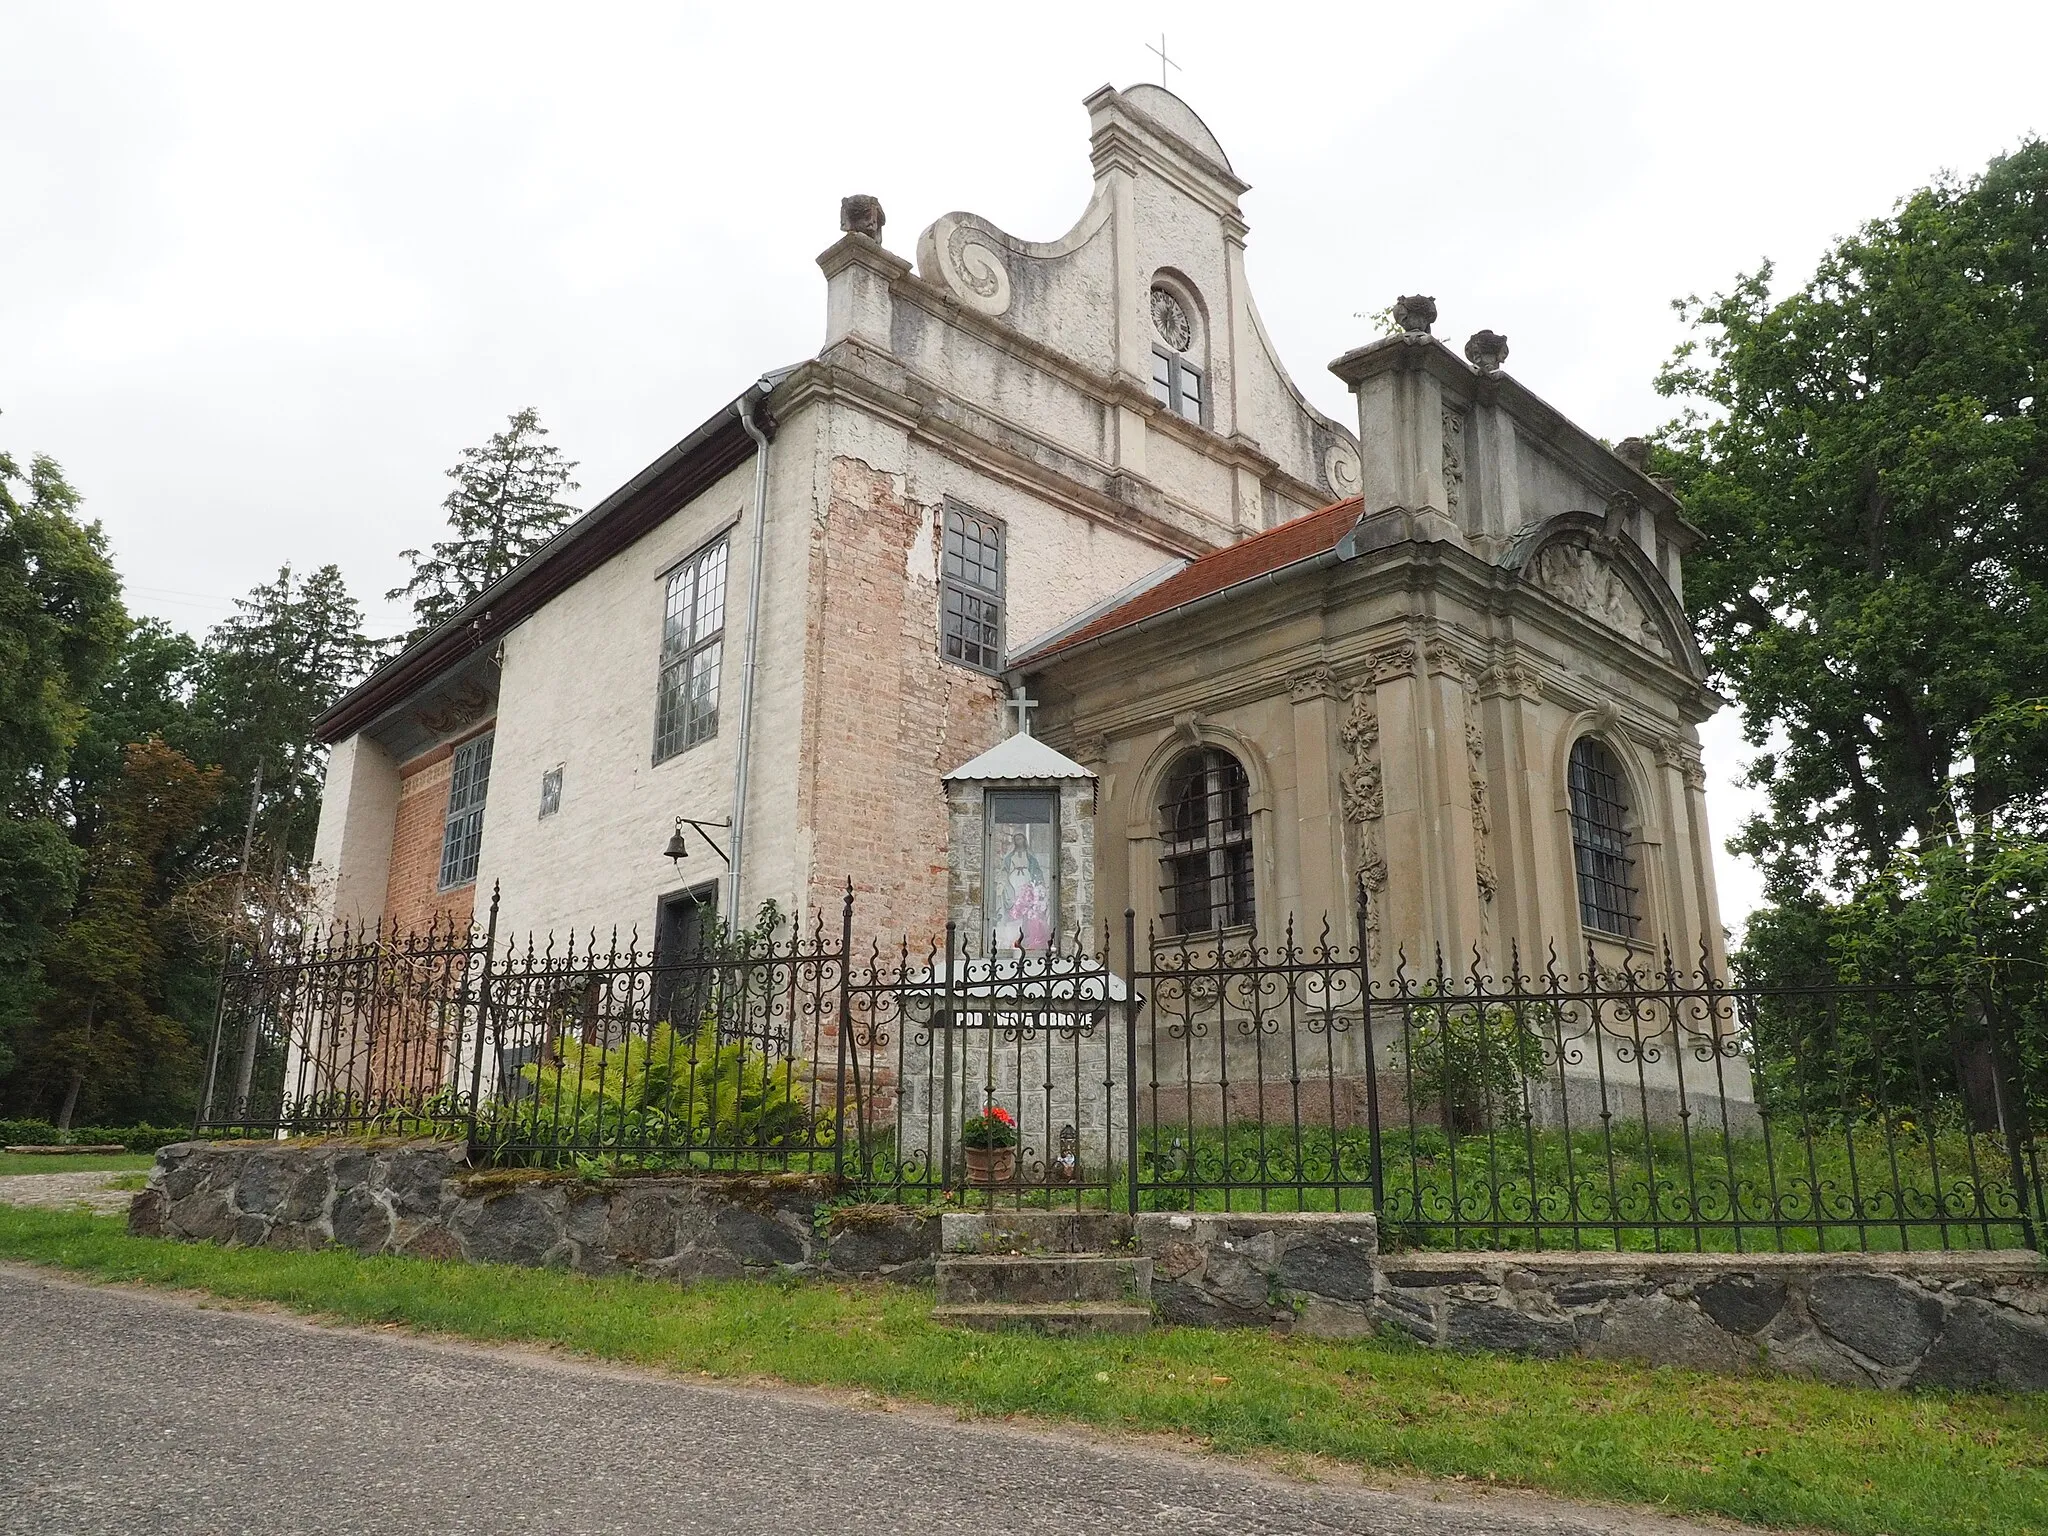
(1033, 1231)
(1044, 1278)
(1045, 1271)
(1057, 1318)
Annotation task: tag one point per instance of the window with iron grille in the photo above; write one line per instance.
(1205, 821)
(692, 646)
(1599, 802)
(971, 590)
(1177, 384)
(462, 833)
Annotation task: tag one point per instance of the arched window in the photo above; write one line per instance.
(1205, 821)
(1176, 377)
(1599, 800)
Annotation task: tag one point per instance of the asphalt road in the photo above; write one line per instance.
(129, 1411)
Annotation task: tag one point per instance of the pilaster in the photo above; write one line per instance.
(1531, 897)
(858, 304)
(1320, 831)
(1406, 912)
(1461, 876)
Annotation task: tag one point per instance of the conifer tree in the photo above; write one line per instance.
(507, 502)
(292, 647)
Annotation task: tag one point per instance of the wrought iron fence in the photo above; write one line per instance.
(1629, 1108)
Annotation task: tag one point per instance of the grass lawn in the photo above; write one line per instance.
(1765, 1450)
(113, 1162)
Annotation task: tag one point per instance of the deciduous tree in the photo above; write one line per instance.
(104, 1029)
(1868, 456)
(61, 622)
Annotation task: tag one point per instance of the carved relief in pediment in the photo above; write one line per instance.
(1579, 575)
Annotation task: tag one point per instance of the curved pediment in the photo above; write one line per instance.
(980, 264)
(1573, 558)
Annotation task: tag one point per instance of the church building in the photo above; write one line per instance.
(1264, 662)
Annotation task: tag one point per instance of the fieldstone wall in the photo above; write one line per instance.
(1952, 1320)
(1967, 1320)
(423, 1200)
(1307, 1272)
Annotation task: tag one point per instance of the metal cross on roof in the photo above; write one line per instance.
(1164, 62)
(1022, 706)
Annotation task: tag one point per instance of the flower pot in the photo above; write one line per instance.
(990, 1165)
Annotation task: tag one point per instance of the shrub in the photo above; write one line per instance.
(1473, 1060)
(136, 1138)
(666, 1091)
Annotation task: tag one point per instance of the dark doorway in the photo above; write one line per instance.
(685, 923)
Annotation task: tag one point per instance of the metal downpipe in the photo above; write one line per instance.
(742, 742)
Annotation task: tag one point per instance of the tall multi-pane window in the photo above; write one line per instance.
(1205, 822)
(462, 834)
(692, 645)
(971, 590)
(1599, 810)
(1177, 384)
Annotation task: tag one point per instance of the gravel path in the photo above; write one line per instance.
(66, 1192)
(125, 1410)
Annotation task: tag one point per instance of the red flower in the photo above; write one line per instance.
(997, 1112)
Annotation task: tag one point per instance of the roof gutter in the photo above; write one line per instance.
(547, 571)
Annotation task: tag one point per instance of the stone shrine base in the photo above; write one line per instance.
(1958, 1320)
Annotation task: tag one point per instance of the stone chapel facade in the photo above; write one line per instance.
(1440, 658)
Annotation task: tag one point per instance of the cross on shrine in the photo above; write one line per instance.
(1164, 62)
(1022, 706)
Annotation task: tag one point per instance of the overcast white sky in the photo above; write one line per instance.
(266, 270)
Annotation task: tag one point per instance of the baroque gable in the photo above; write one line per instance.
(1152, 270)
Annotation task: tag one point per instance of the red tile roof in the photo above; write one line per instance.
(1311, 534)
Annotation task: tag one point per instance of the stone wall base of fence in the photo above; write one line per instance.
(423, 1200)
(1966, 1320)
(1970, 1320)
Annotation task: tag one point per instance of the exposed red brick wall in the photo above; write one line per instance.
(411, 900)
(883, 717)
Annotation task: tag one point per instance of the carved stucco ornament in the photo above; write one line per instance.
(1342, 471)
(1482, 815)
(975, 270)
(1316, 683)
(1580, 576)
(1514, 679)
(1449, 661)
(1393, 661)
(1454, 461)
(861, 214)
(1487, 351)
(1415, 313)
(1635, 453)
(1364, 799)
